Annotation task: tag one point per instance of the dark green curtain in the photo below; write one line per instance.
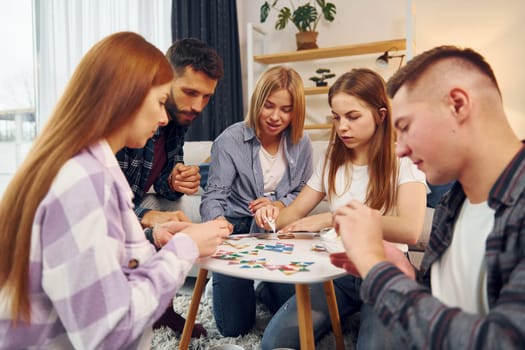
(214, 22)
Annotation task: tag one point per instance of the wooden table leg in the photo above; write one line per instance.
(304, 317)
(194, 307)
(334, 314)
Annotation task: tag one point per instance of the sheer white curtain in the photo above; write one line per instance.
(66, 29)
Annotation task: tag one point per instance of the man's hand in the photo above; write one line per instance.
(341, 260)
(209, 235)
(394, 255)
(153, 217)
(362, 235)
(185, 178)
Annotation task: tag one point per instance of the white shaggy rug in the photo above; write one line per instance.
(164, 338)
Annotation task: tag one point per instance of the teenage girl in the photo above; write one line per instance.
(360, 164)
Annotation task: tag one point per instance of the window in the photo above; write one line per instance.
(17, 107)
(65, 30)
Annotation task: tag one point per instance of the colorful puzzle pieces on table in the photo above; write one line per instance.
(295, 266)
(250, 252)
(227, 255)
(279, 247)
(316, 247)
(252, 264)
(240, 258)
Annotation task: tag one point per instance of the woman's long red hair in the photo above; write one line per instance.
(105, 91)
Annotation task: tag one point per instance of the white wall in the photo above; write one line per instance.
(493, 28)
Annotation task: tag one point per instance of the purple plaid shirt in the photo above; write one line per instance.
(95, 281)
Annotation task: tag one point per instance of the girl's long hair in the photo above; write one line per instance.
(105, 92)
(369, 87)
(273, 79)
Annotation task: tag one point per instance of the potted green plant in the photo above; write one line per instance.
(325, 74)
(305, 17)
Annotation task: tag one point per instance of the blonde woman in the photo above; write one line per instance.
(264, 160)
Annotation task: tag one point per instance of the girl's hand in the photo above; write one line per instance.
(209, 235)
(306, 224)
(258, 204)
(162, 233)
(153, 217)
(265, 214)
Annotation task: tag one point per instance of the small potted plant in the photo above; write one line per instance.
(305, 17)
(325, 74)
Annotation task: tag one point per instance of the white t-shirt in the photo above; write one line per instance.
(273, 167)
(459, 277)
(408, 172)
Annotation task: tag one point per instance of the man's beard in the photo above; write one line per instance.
(176, 114)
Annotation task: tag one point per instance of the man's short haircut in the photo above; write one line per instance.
(415, 68)
(197, 54)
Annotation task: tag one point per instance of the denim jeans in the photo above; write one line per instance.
(234, 298)
(373, 335)
(234, 302)
(283, 329)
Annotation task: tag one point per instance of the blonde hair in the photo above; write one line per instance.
(106, 90)
(273, 79)
(369, 87)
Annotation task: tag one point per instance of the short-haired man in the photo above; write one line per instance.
(160, 163)
(449, 116)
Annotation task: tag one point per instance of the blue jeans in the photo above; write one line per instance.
(234, 298)
(234, 302)
(373, 334)
(283, 330)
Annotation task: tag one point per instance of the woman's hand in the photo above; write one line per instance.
(209, 235)
(153, 217)
(267, 213)
(162, 233)
(306, 224)
(258, 204)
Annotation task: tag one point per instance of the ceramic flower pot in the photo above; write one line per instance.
(306, 40)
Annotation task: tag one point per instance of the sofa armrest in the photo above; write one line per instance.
(188, 204)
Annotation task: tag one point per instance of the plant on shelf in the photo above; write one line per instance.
(325, 74)
(305, 17)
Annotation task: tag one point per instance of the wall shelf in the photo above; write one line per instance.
(316, 90)
(331, 52)
(376, 47)
(317, 126)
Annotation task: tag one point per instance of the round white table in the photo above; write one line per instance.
(304, 251)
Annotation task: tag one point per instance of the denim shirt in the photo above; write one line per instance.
(235, 178)
(414, 315)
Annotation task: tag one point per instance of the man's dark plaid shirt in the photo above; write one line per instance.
(136, 163)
